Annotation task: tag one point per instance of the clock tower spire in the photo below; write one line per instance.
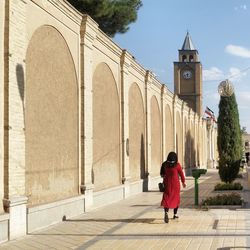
(188, 76)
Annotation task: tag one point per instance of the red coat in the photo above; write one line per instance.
(171, 195)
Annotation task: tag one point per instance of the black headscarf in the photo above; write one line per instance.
(172, 159)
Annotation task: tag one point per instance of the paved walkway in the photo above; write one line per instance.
(137, 223)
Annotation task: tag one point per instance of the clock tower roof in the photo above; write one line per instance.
(188, 44)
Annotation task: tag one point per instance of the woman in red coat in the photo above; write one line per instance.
(170, 171)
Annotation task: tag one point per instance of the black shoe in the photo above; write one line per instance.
(166, 218)
(175, 217)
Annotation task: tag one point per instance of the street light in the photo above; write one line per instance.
(226, 88)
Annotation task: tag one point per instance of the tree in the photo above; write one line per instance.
(244, 130)
(113, 16)
(229, 139)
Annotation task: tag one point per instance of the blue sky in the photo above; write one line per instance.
(220, 31)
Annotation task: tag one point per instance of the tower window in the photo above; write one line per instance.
(191, 58)
(184, 58)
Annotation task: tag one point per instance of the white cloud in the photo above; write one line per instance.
(244, 7)
(237, 51)
(213, 74)
(241, 7)
(235, 74)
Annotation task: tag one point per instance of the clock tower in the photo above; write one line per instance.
(188, 76)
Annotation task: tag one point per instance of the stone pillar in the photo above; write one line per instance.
(16, 207)
(200, 147)
(15, 45)
(125, 64)
(189, 145)
(183, 134)
(209, 144)
(213, 145)
(88, 31)
(204, 134)
(163, 125)
(2, 22)
(148, 82)
(195, 140)
(175, 98)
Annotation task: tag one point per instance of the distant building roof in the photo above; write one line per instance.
(188, 44)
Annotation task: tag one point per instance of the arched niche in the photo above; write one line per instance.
(155, 136)
(136, 133)
(51, 119)
(168, 131)
(106, 171)
(179, 140)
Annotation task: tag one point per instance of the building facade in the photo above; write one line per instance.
(82, 123)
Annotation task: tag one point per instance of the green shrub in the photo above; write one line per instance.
(228, 186)
(228, 172)
(224, 199)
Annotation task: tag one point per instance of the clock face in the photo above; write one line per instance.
(187, 74)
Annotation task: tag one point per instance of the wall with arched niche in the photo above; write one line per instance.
(51, 118)
(179, 140)
(200, 144)
(197, 149)
(186, 162)
(106, 170)
(136, 134)
(168, 131)
(155, 136)
(192, 144)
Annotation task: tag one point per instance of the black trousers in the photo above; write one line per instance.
(175, 210)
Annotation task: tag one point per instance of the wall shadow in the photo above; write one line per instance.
(143, 174)
(189, 156)
(142, 158)
(20, 84)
